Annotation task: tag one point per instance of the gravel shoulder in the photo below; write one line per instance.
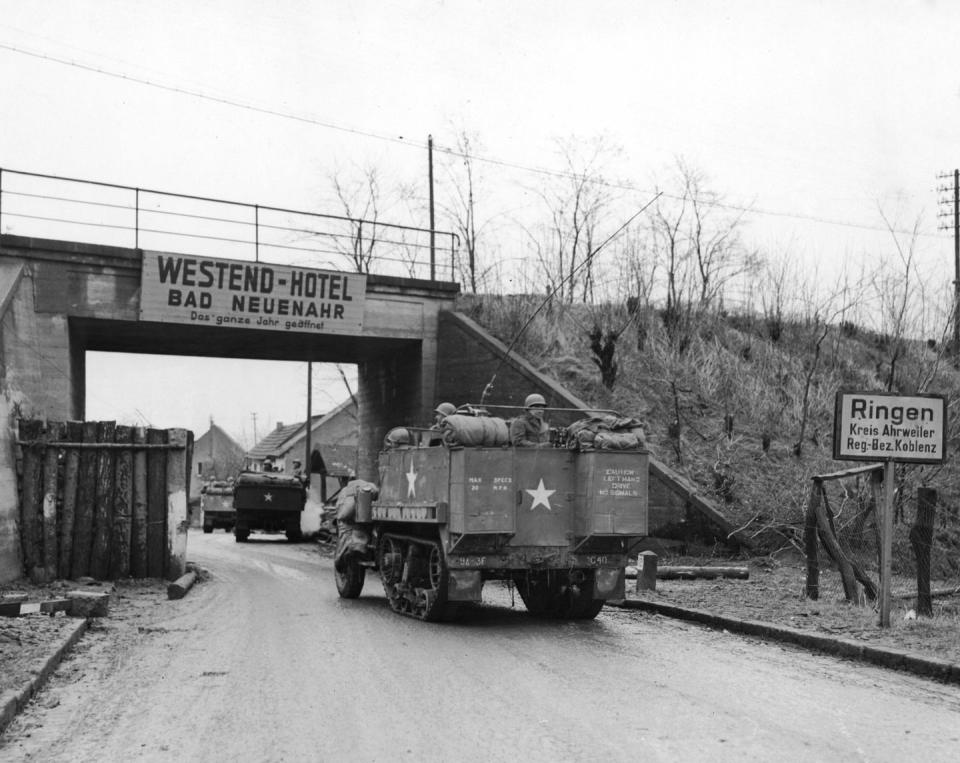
(774, 593)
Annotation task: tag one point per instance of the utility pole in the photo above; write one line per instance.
(307, 443)
(433, 237)
(254, 416)
(956, 252)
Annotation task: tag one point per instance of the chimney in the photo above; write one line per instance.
(279, 425)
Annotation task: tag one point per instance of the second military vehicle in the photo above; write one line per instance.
(268, 501)
(216, 506)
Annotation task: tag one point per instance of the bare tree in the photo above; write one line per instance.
(578, 203)
(360, 201)
(774, 289)
(900, 294)
(824, 314)
(461, 207)
(700, 247)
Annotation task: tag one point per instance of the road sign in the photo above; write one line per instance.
(879, 426)
(204, 291)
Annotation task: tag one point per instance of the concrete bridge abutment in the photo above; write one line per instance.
(60, 299)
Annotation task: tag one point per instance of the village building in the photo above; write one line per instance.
(216, 457)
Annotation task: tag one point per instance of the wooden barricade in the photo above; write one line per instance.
(818, 524)
(102, 500)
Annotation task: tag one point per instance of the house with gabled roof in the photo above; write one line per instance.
(216, 456)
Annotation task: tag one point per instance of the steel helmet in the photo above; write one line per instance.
(534, 399)
(445, 409)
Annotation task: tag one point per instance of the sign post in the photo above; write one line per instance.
(879, 426)
(886, 543)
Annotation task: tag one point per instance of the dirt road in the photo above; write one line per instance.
(263, 662)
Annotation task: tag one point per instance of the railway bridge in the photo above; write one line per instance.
(61, 297)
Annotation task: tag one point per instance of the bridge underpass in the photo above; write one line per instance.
(87, 297)
(60, 299)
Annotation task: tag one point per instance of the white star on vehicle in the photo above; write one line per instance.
(267, 497)
(411, 482)
(541, 496)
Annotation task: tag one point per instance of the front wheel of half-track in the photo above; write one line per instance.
(350, 579)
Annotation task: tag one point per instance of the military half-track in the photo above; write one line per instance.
(267, 501)
(557, 521)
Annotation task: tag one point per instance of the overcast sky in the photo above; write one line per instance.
(813, 114)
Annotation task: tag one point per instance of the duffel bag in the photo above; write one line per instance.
(486, 431)
(617, 441)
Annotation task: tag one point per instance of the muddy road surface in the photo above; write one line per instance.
(263, 662)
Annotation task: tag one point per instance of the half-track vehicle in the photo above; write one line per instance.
(268, 501)
(216, 506)
(557, 521)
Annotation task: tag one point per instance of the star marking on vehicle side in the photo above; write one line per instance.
(267, 497)
(411, 482)
(541, 496)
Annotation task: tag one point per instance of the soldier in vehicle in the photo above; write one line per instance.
(298, 470)
(439, 414)
(530, 429)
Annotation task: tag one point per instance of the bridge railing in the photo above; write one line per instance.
(48, 206)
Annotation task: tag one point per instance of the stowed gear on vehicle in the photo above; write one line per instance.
(557, 521)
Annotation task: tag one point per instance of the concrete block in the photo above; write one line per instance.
(647, 571)
(88, 604)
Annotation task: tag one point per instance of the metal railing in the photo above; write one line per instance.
(86, 211)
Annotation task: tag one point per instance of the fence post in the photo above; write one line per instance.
(30, 501)
(886, 542)
(156, 506)
(177, 521)
(86, 495)
(810, 542)
(138, 533)
(921, 538)
(55, 431)
(122, 507)
(71, 479)
(103, 505)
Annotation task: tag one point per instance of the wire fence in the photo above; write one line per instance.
(843, 519)
(46, 206)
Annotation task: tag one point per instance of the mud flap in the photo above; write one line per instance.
(464, 585)
(352, 543)
(609, 583)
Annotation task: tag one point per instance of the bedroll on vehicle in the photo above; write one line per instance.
(557, 523)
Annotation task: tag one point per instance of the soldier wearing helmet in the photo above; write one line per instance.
(441, 412)
(530, 429)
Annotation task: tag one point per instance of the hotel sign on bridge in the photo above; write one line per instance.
(203, 291)
(884, 427)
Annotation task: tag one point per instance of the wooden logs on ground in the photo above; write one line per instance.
(179, 587)
(696, 573)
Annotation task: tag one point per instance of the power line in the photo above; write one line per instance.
(400, 140)
(207, 97)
